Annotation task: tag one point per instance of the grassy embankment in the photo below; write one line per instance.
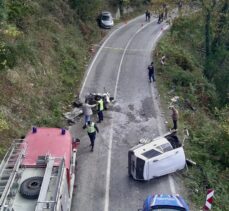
(44, 50)
(199, 108)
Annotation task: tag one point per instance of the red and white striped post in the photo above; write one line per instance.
(209, 200)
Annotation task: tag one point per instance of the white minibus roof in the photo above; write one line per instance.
(159, 144)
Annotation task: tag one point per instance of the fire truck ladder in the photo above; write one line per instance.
(9, 171)
(50, 188)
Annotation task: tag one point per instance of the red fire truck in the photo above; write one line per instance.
(38, 172)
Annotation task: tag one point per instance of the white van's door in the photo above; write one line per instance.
(152, 157)
(167, 163)
(175, 160)
(155, 166)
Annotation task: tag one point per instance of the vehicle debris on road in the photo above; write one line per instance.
(77, 111)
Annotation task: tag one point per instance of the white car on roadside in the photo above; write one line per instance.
(157, 157)
(106, 20)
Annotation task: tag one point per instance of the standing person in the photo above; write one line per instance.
(91, 131)
(100, 105)
(151, 72)
(147, 15)
(87, 111)
(174, 117)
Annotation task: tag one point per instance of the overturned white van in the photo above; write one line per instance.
(157, 157)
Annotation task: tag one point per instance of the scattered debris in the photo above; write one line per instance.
(145, 140)
(107, 99)
(175, 99)
(72, 115)
(163, 60)
(92, 100)
(171, 91)
(190, 162)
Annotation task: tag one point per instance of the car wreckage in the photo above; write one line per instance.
(92, 100)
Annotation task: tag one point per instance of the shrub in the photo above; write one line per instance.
(7, 56)
(180, 77)
(3, 13)
(17, 10)
(3, 123)
(209, 127)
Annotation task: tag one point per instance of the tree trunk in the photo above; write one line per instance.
(207, 42)
(221, 23)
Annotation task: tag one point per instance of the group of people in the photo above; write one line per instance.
(163, 14)
(148, 15)
(91, 126)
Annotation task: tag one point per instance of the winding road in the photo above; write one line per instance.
(120, 65)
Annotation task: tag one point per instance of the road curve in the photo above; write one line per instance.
(120, 66)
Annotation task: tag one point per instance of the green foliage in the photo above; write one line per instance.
(43, 52)
(3, 52)
(208, 122)
(3, 13)
(180, 77)
(118, 3)
(219, 72)
(87, 10)
(11, 31)
(18, 11)
(3, 123)
(7, 56)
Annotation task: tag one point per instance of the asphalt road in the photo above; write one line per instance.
(120, 65)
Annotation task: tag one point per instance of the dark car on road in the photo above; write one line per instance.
(105, 20)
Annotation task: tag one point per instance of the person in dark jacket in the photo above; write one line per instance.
(147, 15)
(91, 131)
(151, 72)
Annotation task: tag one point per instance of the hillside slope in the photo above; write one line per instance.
(44, 48)
(202, 104)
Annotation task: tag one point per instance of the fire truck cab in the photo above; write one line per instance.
(38, 172)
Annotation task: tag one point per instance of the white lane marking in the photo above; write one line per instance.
(172, 185)
(107, 197)
(171, 181)
(122, 49)
(97, 54)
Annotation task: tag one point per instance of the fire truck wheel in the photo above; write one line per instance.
(31, 187)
